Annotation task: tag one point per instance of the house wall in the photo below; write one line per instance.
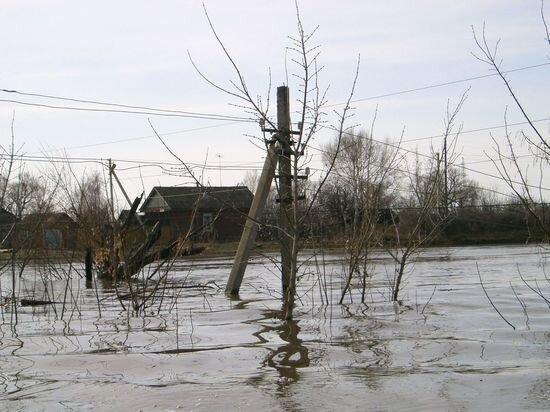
(228, 226)
(55, 235)
(156, 204)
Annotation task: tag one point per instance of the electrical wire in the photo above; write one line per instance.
(481, 129)
(125, 106)
(139, 163)
(148, 110)
(417, 153)
(433, 86)
(132, 139)
(135, 112)
(152, 111)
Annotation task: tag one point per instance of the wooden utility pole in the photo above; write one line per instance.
(250, 230)
(437, 188)
(111, 191)
(112, 237)
(279, 152)
(445, 176)
(130, 203)
(285, 185)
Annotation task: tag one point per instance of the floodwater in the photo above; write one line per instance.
(443, 347)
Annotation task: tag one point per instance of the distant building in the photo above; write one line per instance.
(46, 231)
(209, 213)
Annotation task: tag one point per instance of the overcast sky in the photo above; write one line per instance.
(136, 53)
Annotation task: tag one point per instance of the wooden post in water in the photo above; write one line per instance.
(113, 223)
(285, 184)
(250, 230)
(89, 265)
(277, 153)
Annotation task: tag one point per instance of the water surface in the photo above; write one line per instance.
(442, 347)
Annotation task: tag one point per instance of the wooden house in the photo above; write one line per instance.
(46, 231)
(206, 213)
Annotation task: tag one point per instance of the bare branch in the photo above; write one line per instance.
(490, 300)
(544, 22)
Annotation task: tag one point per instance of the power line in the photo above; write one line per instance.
(137, 112)
(433, 86)
(234, 119)
(237, 167)
(162, 165)
(482, 129)
(126, 106)
(408, 172)
(400, 148)
(139, 163)
(147, 110)
(132, 139)
(314, 169)
(52, 159)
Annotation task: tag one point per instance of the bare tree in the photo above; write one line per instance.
(311, 100)
(419, 222)
(250, 180)
(453, 177)
(506, 158)
(28, 195)
(435, 186)
(89, 206)
(361, 188)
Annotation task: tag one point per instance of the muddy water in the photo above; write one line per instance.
(442, 348)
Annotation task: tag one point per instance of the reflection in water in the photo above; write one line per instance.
(292, 355)
(287, 358)
(373, 354)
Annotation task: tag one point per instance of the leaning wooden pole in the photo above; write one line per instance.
(250, 230)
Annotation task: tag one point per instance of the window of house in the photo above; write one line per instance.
(53, 239)
(207, 220)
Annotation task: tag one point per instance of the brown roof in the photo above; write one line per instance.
(49, 218)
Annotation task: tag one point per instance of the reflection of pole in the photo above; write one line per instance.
(250, 230)
(285, 184)
(291, 355)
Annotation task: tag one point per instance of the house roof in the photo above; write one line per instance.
(211, 197)
(48, 218)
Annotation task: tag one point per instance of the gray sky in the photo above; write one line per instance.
(136, 53)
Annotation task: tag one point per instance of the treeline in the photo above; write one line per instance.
(372, 192)
(53, 209)
(375, 191)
